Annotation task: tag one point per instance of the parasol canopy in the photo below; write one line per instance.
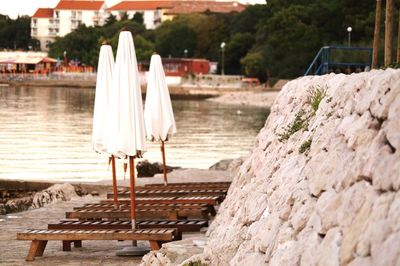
(126, 126)
(158, 113)
(101, 103)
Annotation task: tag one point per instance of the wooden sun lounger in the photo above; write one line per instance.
(40, 237)
(211, 200)
(113, 214)
(170, 193)
(181, 225)
(139, 206)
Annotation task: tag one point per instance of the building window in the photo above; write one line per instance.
(57, 14)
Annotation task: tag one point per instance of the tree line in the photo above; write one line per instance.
(279, 39)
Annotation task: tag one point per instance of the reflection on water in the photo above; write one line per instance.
(46, 134)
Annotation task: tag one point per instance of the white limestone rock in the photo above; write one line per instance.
(336, 203)
(55, 193)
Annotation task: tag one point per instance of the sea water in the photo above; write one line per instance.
(45, 134)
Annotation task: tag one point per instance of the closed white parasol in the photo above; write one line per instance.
(103, 85)
(126, 136)
(158, 113)
(101, 107)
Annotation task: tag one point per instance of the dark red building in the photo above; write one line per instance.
(182, 66)
(178, 67)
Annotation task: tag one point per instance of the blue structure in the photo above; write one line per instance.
(323, 62)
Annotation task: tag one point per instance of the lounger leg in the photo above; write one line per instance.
(78, 243)
(212, 210)
(66, 245)
(33, 250)
(155, 245)
(42, 246)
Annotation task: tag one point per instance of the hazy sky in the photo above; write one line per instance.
(13, 8)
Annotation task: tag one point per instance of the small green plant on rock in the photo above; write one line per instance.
(300, 123)
(316, 96)
(193, 263)
(305, 147)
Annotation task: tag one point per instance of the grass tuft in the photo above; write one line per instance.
(193, 263)
(305, 147)
(299, 123)
(316, 94)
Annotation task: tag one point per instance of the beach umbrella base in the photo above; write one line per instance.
(133, 251)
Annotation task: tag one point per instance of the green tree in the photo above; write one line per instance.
(82, 44)
(144, 48)
(237, 47)
(15, 34)
(173, 37)
(111, 19)
(138, 18)
(254, 66)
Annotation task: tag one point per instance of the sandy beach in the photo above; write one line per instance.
(248, 98)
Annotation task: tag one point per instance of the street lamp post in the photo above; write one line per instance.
(186, 52)
(349, 29)
(222, 58)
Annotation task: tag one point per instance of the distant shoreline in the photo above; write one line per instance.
(176, 91)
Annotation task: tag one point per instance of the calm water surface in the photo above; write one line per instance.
(45, 134)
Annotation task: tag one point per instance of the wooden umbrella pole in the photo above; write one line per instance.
(114, 176)
(132, 190)
(164, 163)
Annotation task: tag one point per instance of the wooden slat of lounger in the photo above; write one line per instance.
(117, 214)
(184, 187)
(150, 234)
(195, 192)
(212, 200)
(140, 206)
(151, 213)
(185, 183)
(181, 225)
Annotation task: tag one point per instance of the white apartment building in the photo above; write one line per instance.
(48, 23)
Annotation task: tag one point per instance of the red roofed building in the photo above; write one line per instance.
(73, 13)
(155, 12)
(48, 23)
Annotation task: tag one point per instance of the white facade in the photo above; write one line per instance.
(71, 19)
(40, 30)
